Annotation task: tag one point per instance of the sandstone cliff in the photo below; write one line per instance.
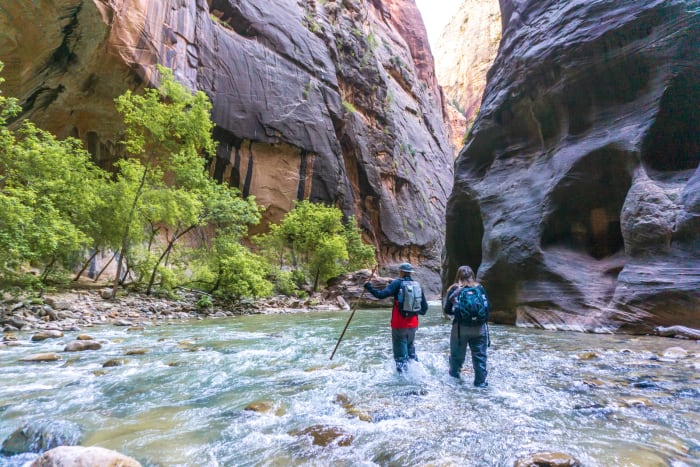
(464, 53)
(576, 194)
(333, 101)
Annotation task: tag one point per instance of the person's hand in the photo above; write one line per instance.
(445, 316)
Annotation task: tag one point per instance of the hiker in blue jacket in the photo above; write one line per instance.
(403, 325)
(471, 332)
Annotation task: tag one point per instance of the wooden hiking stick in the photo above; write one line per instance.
(353, 311)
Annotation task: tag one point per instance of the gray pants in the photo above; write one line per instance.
(476, 337)
(402, 341)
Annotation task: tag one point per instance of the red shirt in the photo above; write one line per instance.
(399, 322)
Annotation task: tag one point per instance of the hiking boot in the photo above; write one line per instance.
(455, 374)
(482, 385)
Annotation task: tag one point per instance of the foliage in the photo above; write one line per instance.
(312, 238)
(49, 195)
(168, 129)
(349, 107)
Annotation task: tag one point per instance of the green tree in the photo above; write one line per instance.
(48, 197)
(313, 238)
(164, 127)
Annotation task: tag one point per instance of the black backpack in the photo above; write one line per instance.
(470, 305)
(410, 299)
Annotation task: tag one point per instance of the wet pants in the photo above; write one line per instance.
(476, 337)
(402, 341)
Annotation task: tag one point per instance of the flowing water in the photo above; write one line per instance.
(606, 400)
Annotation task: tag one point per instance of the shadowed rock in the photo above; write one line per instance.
(41, 435)
(576, 195)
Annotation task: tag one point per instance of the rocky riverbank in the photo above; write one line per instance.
(77, 309)
(74, 309)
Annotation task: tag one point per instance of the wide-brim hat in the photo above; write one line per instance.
(406, 267)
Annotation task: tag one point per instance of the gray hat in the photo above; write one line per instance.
(406, 267)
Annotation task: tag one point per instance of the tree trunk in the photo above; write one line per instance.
(163, 255)
(218, 280)
(125, 239)
(48, 269)
(85, 266)
(104, 268)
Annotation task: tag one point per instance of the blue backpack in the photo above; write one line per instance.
(470, 305)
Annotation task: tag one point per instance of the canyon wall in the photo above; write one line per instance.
(334, 101)
(463, 55)
(577, 192)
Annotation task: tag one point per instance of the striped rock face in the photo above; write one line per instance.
(332, 101)
(576, 194)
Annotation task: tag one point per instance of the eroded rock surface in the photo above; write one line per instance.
(331, 101)
(577, 193)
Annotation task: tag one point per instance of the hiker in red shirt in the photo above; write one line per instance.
(409, 302)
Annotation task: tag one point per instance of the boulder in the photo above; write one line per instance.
(41, 435)
(78, 456)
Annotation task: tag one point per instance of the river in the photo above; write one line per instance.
(261, 390)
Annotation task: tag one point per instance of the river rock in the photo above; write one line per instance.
(46, 334)
(42, 357)
(41, 435)
(548, 459)
(577, 193)
(136, 352)
(674, 353)
(78, 456)
(79, 346)
(113, 362)
(83, 337)
(323, 435)
(678, 331)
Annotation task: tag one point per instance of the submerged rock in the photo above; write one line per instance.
(41, 435)
(79, 346)
(48, 334)
(323, 435)
(41, 357)
(548, 459)
(78, 456)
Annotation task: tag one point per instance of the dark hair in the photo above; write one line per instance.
(465, 277)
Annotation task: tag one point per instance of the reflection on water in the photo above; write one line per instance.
(261, 390)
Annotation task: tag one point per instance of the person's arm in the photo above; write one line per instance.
(391, 289)
(423, 305)
(448, 303)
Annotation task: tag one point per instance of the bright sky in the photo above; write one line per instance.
(436, 14)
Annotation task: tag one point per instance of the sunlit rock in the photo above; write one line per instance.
(136, 352)
(78, 456)
(42, 357)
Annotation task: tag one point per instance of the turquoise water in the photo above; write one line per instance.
(604, 399)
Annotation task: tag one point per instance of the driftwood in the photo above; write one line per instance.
(678, 331)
